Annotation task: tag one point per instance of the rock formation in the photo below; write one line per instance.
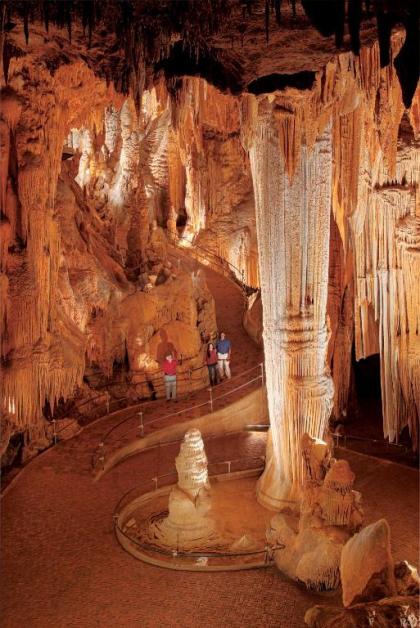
(300, 170)
(292, 143)
(373, 587)
(79, 250)
(188, 522)
(330, 513)
(294, 290)
(396, 611)
(367, 570)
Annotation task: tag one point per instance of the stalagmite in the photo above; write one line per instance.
(188, 521)
(330, 513)
(191, 464)
(293, 218)
(366, 567)
(337, 499)
(374, 589)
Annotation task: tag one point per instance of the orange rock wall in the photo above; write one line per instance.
(79, 237)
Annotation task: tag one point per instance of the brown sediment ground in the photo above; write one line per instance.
(62, 566)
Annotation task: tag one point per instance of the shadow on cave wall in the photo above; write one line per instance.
(368, 400)
(365, 415)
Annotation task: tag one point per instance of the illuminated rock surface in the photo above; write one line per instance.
(367, 570)
(190, 157)
(373, 588)
(330, 513)
(188, 521)
(280, 138)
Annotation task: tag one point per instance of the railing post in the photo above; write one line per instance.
(211, 398)
(107, 402)
(141, 426)
(102, 459)
(55, 432)
(262, 373)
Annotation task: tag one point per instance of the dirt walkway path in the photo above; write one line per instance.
(245, 366)
(62, 566)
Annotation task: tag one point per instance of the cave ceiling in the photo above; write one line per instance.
(240, 45)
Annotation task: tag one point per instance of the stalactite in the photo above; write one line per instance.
(86, 172)
(347, 139)
(340, 312)
(408, 251)
(43, 354)
(376, 166)
(290, 134)
(26, 388)
(176, 177)
(198, 107)
(112, 128)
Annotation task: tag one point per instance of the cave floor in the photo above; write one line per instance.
(229, 533)
(63, 567)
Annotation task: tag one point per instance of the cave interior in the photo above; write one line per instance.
(172, 171)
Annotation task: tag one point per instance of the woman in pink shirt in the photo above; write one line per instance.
(211, 361)
(169, 375)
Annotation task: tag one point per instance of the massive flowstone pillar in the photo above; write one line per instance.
(292, 186)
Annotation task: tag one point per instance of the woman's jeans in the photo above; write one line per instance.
(170, 386)
(212, 373)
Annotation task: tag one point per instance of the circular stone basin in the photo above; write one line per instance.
(236, 537)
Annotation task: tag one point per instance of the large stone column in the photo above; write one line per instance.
(293, 203)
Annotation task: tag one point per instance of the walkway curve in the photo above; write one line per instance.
(63, 568)
(247, 358)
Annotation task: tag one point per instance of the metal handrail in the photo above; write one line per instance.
(267, 550)
(209, 401)
(223, 263)
(365, 439)
(220, 261)
(255, 379)
(100, 453)
(155, 380)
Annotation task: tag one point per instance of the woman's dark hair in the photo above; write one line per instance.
(208, 348)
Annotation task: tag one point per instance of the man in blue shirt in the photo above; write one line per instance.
(223, 356)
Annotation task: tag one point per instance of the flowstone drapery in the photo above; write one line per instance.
(293, 224)
(330, 513)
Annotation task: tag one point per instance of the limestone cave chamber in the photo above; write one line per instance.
(209, 313)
